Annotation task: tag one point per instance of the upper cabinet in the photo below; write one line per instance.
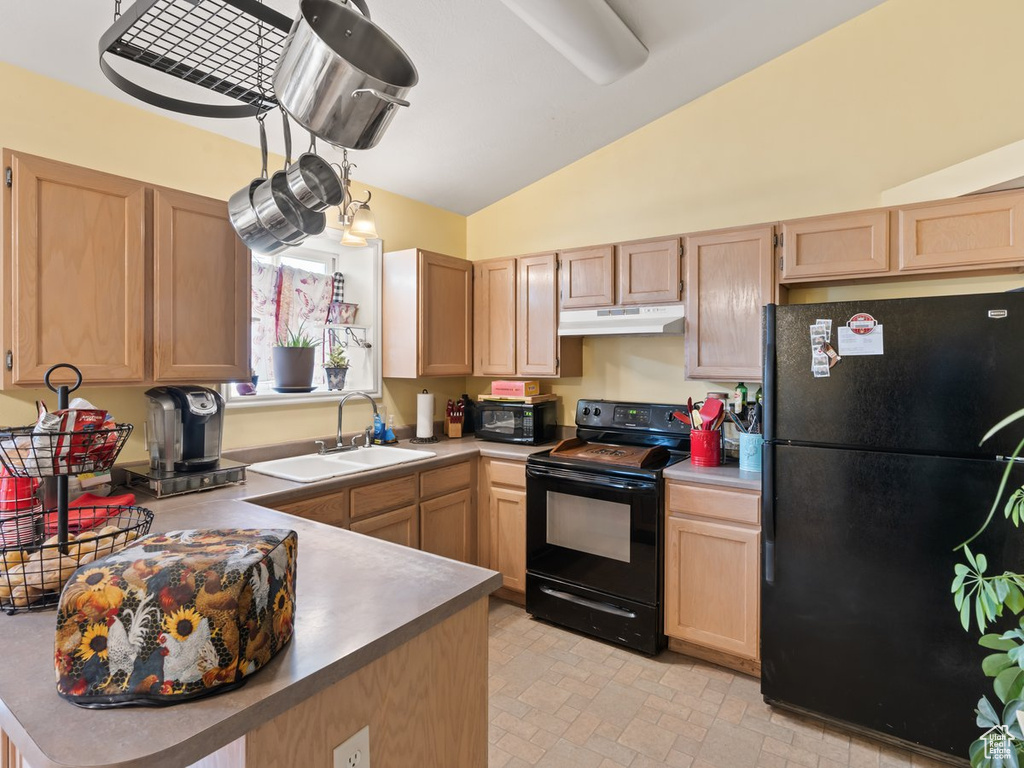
(728, 282)
(648, 272)
(830, 247)
(964, 233)
(86, 281)
(516, 320)
(201, 293)
(428, 315)
(588, 277)
(494, 317)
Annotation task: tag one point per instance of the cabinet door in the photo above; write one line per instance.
(401, 526)
(331, 509)
(446, 306)
(508, 536)
(587, 277)
(728, 282)
(201, 294)
(537, 319)
(972, 233)
(648, 273)
(494, 318)
(446, 526)
(75, 278)
(711, 585)
(850, 245)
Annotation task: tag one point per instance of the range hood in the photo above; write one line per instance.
(619, 321)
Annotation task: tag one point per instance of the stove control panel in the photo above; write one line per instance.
(646, 417)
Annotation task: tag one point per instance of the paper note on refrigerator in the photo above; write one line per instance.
(852, 344)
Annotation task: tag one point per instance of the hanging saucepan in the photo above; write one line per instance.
(313, 182)
(278, 210)
(341, 76)
(242, 215)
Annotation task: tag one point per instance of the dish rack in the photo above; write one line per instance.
(51, 546)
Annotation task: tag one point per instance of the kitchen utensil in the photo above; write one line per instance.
(340, 76)
(277, 209)
(313, 182)
(242, 214)
(683, 417)
(695, 420)
(736, 420)
(711, 410)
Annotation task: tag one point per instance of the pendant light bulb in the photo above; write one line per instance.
(348, 238)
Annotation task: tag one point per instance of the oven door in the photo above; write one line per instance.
(596, 531)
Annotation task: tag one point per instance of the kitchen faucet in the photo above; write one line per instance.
(367, 433)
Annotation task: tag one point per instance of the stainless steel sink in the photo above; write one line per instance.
(315, 466)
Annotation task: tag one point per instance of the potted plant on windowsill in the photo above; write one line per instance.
(336, 367)
(294, 359)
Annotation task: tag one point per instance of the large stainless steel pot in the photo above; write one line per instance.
(243, 215)
(341, 76)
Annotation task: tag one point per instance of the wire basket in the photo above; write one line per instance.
(26, 453)
(32, 575)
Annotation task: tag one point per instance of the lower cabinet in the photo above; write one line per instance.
(712, 573)
(446, 525)
(503, 484)
(433, 510)
(399, 526)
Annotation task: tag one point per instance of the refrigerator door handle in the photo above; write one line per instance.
(768, 512)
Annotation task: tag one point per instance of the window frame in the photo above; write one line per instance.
(327, 245)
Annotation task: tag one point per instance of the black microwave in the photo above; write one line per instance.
(530, 424)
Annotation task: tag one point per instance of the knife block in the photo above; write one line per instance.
(452, 429)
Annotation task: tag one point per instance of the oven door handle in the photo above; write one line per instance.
(591, 479)
(594, 604)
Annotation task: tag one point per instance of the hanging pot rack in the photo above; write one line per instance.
(230, 47)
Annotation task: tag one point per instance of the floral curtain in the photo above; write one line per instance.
(286, 299)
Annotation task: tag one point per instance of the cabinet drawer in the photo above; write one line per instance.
(434, 482)
(400, 526)
(378, 497)
(511, 473)
(720, 503)
(331, 509)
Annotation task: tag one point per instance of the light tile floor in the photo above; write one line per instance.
(562, 699)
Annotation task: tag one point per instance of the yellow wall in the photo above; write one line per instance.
(906, 89)
(45, 117)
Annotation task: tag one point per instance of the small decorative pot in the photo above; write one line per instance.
(336, 378)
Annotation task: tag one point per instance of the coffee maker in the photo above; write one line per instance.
(184, 428)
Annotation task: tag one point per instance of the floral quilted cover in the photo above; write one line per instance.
(175, 616)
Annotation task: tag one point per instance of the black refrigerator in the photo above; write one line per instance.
(871, 476)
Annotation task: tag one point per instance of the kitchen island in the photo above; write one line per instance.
(385, 636)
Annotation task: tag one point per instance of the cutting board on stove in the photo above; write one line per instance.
(622, 455)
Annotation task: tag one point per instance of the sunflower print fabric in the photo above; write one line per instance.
(175, 616)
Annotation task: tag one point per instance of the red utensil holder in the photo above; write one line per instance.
(705, 447)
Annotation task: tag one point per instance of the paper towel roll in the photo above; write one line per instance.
(424, 415)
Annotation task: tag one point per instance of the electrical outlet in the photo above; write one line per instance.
(355, 752)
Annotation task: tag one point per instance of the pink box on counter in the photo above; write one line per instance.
(515, 388)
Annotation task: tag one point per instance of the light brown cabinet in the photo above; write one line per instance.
(831, 247)
(428, 315)
(527, 344)
(503, 536)
(588, 277)
(399, 526)
(729, 279)
(494, 317)
(87, 281)
(648, 272)
(446, 525)
(712, 573)
(330, 509)
(959, 234)
(201, 291)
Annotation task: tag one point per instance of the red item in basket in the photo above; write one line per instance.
(16, 493)
(90, 511)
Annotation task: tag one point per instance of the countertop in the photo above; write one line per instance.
(343, 580)
(728, 475)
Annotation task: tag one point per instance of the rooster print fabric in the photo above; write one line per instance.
(175, 616)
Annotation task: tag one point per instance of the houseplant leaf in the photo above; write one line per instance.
(995, 663)
(996, 643)
(1008, 680)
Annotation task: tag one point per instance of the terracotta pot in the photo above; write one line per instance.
(293, 366)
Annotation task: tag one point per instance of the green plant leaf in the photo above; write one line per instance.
(982, 562)
(996, 643)
(1014, 654)
(970, 557)
(958, 582)
(965, 615)
(995, 663)
(1005, 422)
(1014, 600)
(958, 599)
(987, 717)
(999, 493)
(1006, 681)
